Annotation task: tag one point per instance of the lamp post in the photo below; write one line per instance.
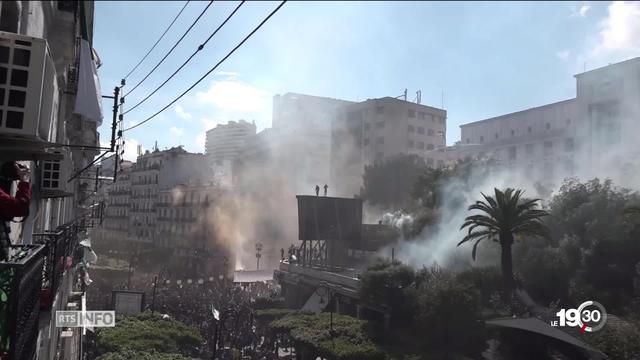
(329, 293)
(258, 255)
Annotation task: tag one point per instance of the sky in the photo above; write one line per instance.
(475, 59)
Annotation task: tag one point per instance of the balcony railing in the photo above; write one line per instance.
(60, 245)
(20, 281)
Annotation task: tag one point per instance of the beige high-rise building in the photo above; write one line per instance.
(377, 129)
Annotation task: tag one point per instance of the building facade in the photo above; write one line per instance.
(540, 142)
(590, 135)
(225, 140)
(377, 129)
(41, 126)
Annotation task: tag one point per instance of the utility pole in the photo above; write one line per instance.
(116, 93)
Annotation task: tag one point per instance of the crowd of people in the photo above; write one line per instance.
(207, 304)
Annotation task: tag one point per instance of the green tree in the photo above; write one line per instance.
(503, 217)
(141, 355)
(149, 332)
(387, 183)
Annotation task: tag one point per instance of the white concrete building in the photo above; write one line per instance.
(593, 134)
(225, 140)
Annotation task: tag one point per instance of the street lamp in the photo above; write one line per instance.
(258, 255)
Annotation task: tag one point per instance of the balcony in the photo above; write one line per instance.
(60, 245)
(20, 280)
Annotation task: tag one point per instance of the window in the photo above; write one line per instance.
(495, 136)
(441, 120)
(411, 113)
(379, 109)
(422, 115)
(529, 129)
(433, 118)
(513, 133)
(411, 144)
(481, 138)
(420, 130)
(429, 161)
(547, 126)
(468, 141)
(411, 128)
(512, 153)
(568, 144)
(430, 132)
(380, 124)
(548, 148)
(421, 145)
(430, 147)
(366, 141)
(366, 126)
(380, 140)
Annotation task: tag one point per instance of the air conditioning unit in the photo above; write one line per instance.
(28, 87)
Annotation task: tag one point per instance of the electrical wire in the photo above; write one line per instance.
(170, 50)
(200, 47)
(211, 70)
(157, 41)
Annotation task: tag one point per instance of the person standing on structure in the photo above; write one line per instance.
(317, 190)
(325, 189)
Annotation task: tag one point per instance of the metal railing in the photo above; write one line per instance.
(20, 282)
(60, 246)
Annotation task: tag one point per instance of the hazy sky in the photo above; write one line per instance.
(487, 58)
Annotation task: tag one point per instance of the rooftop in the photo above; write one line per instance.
(500, 117)
(626, 62)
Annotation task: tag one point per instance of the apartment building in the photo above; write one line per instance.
(377, 129)
(225, 140)
(186, 224)
(156, 171)
(49, 126)
(590, 135)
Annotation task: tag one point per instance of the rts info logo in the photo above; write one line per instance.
(590, 316)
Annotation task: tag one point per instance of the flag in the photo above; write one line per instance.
(216, 313)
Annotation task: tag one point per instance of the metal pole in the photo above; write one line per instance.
(153, 299)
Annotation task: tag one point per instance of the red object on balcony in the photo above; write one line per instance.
(46, 299)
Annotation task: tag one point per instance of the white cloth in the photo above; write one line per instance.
(88, 98)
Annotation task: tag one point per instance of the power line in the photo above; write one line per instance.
(189, 59)
(161, 36)
(171, 50)
(212, 69)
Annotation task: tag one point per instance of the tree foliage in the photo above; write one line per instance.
(141, 355)
(432, 311)
(386, 183)
(149, 332)
(311, 332)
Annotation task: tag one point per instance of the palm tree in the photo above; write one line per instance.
(504, 216)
